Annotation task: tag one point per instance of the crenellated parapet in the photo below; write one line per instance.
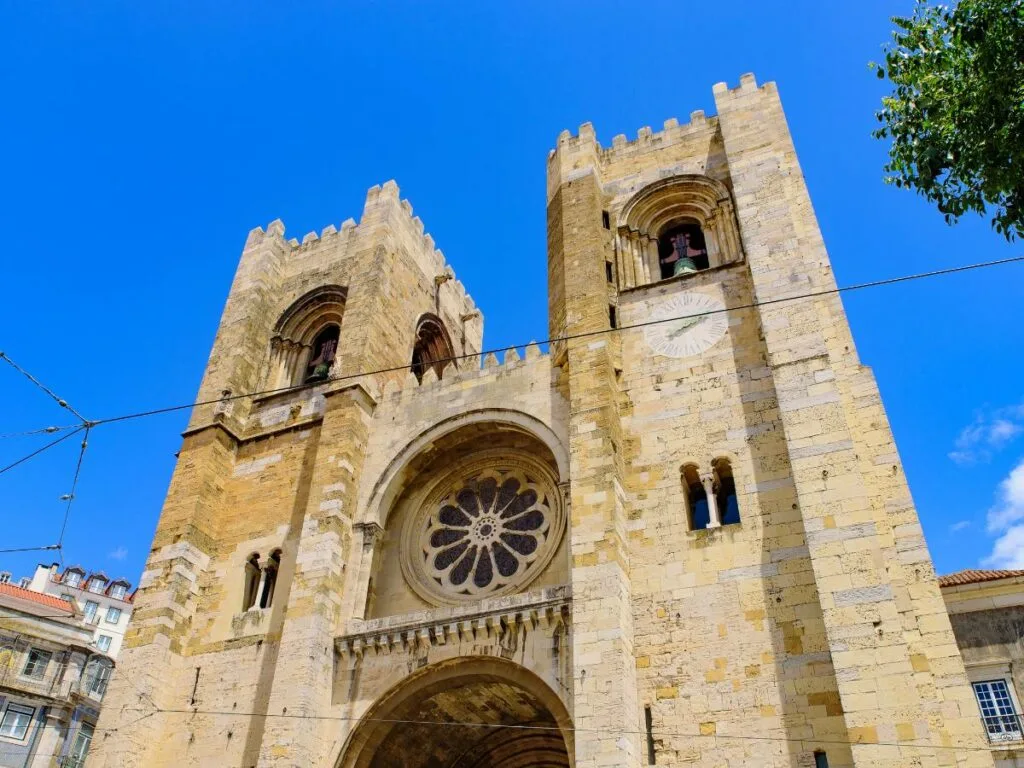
(472, 371)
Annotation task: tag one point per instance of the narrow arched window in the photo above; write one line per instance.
(696, 499)
(322, 354)
(682, 249)
(432, 348)
(252, 581)
(271, 570)
(725, 492)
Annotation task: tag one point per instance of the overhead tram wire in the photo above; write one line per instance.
(70, 497)
(556, 728)
(59, 400)
(46, 447)
(89, 425)
(43, 431)
(85, 425)
(573, 336)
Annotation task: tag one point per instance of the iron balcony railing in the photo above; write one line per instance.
(1003, 728)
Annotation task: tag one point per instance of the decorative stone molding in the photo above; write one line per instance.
(497, 619)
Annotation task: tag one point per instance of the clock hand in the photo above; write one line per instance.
(685, 324)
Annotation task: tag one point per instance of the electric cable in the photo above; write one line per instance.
(557, 728)
(46, 447)
(59, 400)
(70, 497)
(574, 336)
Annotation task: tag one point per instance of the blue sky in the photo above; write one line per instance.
(143, 140)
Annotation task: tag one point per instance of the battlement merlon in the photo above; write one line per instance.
(574, 155)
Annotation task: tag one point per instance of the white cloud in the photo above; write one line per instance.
(959, 526)
(118, 554)
(990, 431)
(1006, 519)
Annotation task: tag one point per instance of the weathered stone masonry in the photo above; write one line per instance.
(514, 544)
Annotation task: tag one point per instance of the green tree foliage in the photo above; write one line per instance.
(956, 113)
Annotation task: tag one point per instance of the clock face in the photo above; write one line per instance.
(694, 332)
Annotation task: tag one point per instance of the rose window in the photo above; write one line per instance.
(482, 532)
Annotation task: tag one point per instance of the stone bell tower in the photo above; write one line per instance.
(750, 581)
(682, 536)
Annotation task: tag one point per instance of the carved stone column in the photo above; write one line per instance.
(371, 534)
(707, 479)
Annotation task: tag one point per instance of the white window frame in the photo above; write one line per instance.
(112, 609)
(80, 748)
(73, 578)
(95, 582)
(99, 642)
(90, 609)
(35, 665)
(99, 679)
(999, 725)
(118, 591)
(997, 672)
(18, 709)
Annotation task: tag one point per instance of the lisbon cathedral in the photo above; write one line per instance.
(678, 534)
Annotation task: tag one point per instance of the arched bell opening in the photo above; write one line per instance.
(306, 338)
(432, 348)
(467, 713)
(673, 227)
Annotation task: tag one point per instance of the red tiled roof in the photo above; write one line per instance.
(975, 577)
(37, 597)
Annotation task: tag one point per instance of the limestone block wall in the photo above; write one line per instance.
(818, 617)
(410, 422)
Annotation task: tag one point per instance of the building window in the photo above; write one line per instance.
(98, 677)
(696, 499)
(682, 249)
(609, 272)
(103, 643)
(72, 578)
(35, 665)
(820, 759)
(5, 577)
(113, 615)
(612, 319)
(97, 584)
(16, 721)
(89, 613)
(118, 591)
(432, 348)
(81, 746)
(252, 581)
(997, 710)
(725, 492)
(325, 347)
(606, 220)
(270, 578)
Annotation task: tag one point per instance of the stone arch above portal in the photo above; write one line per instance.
(391, 482)
(504, 692)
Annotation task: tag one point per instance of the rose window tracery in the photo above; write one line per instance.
(483, 530)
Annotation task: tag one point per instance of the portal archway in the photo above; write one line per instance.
(453, 714)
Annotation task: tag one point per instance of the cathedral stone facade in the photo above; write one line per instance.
(680, 536)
